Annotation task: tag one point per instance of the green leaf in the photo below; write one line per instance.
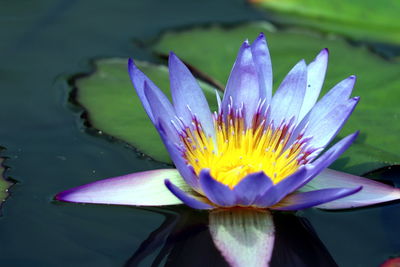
(114, 108)
(368, 20)
(213, 51)
(245, 237)
(4, 184)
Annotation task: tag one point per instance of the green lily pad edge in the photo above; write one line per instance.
(4, 184)
(365, 20)
(113, 107)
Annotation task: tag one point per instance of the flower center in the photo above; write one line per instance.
(237, 150)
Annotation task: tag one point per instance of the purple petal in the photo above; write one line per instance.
(304, 200)
(262, 60)
(339, 94)
(326, 159)
(138, 79)
(326, 129)
(215, 191)
(244, 237)
(315, 79)
(277, 192)
(288, 98)
(251, 187)
(137, 189)
(332, 154)
(243, 85)
(195, 202)
(372, 193)
(186, 93)
(184, 169)
(163, 111)
(327, 117)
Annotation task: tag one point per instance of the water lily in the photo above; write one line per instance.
(256, 153)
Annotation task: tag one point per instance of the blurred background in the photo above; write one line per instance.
(62, 63)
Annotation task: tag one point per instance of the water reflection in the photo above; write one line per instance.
(297, 244)
(184, 240)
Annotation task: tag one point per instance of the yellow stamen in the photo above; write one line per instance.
(236, 151)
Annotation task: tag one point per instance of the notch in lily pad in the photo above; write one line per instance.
(113, 107)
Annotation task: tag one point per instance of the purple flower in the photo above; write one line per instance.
(257, 150)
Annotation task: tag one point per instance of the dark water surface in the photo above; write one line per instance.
(42, 43)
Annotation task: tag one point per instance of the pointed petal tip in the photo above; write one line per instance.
(170, 186)
(300, 66)
(260, 37)
(320, 63)
(355, 134)
(351, 191)
(71, 195)
(246, 44)
(172, 55)
(167, 182)
(130, 61)
(173, 60)
(322, 57)
(324, 52)
(62, 196)
(351, 137)
(131, 65)
(259, 44)
(351, 81)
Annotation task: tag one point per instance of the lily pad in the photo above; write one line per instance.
(213, 50)
(4, 184)
(114, 108)
(367, 20)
